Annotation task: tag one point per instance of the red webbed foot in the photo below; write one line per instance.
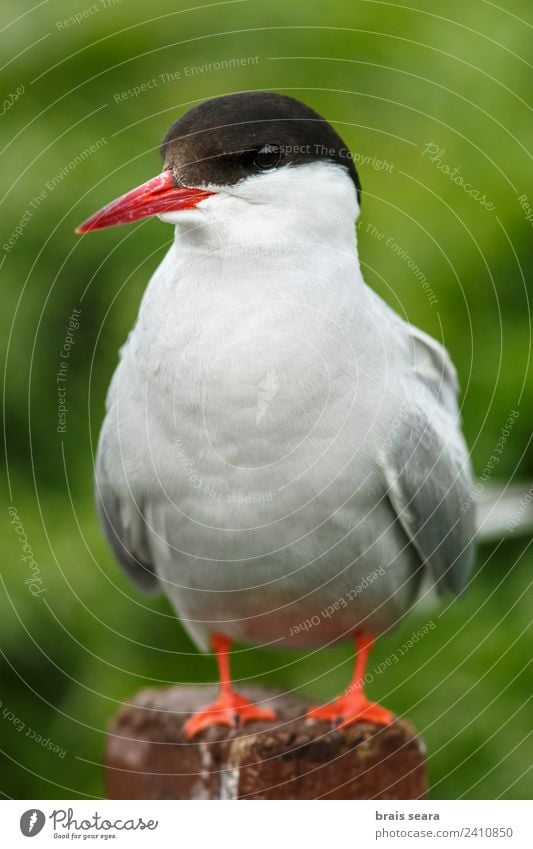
(353, 706)
(229, 708)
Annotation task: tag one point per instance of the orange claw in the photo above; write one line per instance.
(229, 708)
(353, 706)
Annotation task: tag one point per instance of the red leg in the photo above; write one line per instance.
(229, 706)
(353, 706)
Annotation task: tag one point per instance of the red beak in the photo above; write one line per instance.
(161, 194)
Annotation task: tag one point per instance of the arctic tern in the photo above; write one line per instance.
(281, 452)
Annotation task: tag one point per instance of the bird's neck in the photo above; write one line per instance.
(297, 212)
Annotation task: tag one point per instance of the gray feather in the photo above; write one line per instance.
(128, 540)
(428, 474)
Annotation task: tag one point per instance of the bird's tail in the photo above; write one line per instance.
(504, 511)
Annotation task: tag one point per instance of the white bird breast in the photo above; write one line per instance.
(246, 415)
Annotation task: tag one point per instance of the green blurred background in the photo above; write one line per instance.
(392, 79)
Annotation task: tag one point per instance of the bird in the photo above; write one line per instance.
(281, 453)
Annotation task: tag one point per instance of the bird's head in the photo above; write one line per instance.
(240, 156)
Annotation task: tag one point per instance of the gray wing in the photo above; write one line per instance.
(427, 469)
(123, 524)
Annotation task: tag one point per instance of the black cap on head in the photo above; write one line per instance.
(229, 138)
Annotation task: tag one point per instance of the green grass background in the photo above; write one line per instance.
(391, 78)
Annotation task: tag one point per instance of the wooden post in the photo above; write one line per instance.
(148, 757)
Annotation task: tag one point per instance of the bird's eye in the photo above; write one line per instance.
(267, 157)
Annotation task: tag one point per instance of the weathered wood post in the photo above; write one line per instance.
(148, 757)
